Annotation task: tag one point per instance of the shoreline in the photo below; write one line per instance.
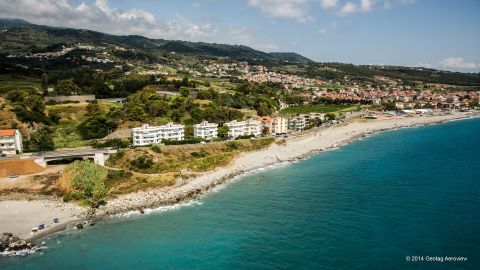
(296, 148)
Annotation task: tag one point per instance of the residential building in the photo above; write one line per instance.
(146, 134)
(173, 132)
(235, 128)
(296, 123)
(253, 127)
(205, 130)
(275, 125)
(10, 141)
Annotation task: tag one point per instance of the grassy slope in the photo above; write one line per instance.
(71, 115)
(173, 162)
(10, 82)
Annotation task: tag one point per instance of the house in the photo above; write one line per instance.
(11, 142)
(146, 135)
(296, 123)
(235, 129)
(205, 130)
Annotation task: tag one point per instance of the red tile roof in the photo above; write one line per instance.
(7, 132)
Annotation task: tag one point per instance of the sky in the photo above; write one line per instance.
(441, 34)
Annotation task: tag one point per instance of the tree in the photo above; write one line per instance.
(44, 84)
(96, 127)
(389, 105)
(66, 87)
(93, 108)
(35, 103)
(265, 131)
(223, 132)
(41, 140)
(157, 108)
(330, 116)
(136, 113)
(188, 132)
(184, 91)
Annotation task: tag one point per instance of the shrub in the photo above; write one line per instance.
(83, 180)
(187, 141)
(232, 145)
(243, 137)
(155, 148)
(142, 162)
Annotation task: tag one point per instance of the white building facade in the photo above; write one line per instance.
(11, 142)
(205, 130)
(296, 123)
(253, 127)
(146, 135)
(235, 129)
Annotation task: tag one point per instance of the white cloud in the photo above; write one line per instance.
(327, 4)
(363, 6)
(100, 16)
(291, 9)
(457, 62)
(322, 31)
(350, 7)
(244, 37)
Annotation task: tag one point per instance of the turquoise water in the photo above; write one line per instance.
(368, 205)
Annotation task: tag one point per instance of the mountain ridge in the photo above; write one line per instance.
(74, 35)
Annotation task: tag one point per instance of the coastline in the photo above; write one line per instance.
(296, 148)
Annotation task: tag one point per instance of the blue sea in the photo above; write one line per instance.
(409, 194)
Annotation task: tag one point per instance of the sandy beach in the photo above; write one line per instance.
(18, 217)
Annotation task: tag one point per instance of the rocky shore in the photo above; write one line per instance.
(14, 246)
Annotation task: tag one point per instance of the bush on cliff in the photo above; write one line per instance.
(84, 181)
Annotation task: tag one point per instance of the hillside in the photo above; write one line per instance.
(21, 36)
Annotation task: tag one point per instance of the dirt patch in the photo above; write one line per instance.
(19, 166)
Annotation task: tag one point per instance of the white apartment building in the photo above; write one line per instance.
(205, 130)
(235, 129)
(146, 135)
(253, 127)
(296, 123)
(10, 141)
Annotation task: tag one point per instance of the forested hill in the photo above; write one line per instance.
(21, 36)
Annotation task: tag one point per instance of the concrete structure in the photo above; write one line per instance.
(275, 125)
(296, 123)
(167, 94)
(253, 127)
(235, 129)
(83, 98)
(146, 135)
(11, 142)
(98, 156)
(205, 130)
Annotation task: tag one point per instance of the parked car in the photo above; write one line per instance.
(4, 155)
(13, 175)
